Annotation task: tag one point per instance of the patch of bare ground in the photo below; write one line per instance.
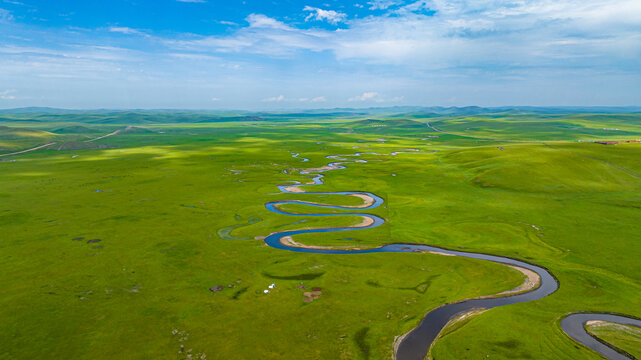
(531, 282)
(367, 221)
(289, 241)
(310, 296)
(440, 253)
(322, 168)
(367, 201)
(294, 188)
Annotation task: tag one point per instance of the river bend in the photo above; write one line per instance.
(416, 344)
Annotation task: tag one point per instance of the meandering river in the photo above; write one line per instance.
(415, 344)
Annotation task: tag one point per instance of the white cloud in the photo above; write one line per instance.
(282, 98)
(87, 62)
(331, 16)
(191, 56)
(215, 99)
(5, 15)
(126, 30)
(264, 35)
(367, 96)
(463, 33)
(376, 97)
(6, 95)
(278, 98)
(382, 4)
(459, 34)
(262, 21)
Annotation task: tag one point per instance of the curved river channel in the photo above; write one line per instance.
(416, 344)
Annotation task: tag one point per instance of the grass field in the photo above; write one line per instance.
(623, 337)
(177, 207)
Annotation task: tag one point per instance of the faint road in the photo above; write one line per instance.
(32, 149)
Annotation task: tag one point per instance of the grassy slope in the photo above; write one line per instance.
(166, 195)
(624, 337)
(581, 197)
(16, 138)
(586, 209)
(546, 128)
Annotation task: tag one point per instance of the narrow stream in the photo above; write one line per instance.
(415, 344)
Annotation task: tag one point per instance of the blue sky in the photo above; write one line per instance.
(215, 54)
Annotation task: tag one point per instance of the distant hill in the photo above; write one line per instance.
(13, 133)
(148, 117)
(124, 117)
(232, 118)
(401, 123)
(35, 110)
(74, 129)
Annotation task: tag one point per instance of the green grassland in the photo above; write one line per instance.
(623, 337)
(178, 205)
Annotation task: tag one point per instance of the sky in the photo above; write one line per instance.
(263, 55)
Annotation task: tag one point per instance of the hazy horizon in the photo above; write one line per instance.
(569, 108)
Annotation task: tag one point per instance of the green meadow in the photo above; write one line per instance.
(111, 248)
(626, 337)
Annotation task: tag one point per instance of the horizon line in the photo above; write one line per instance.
(501, 107)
